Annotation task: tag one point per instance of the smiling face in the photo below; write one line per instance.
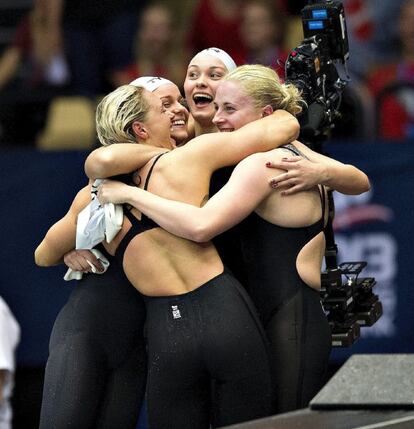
(204, 73)
(157, 122)
(172, 100)
(233, 107)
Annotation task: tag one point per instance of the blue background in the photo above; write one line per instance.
(37, 188)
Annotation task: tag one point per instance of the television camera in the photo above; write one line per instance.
(348, 300)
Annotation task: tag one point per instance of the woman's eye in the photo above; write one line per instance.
(166, 105)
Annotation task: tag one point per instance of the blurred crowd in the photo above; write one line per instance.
(85, 48)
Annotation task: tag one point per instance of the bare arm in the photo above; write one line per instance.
(303, 174)
(237, 199)
(262, 135)
(61, 237)
(224, 149)
(117, 159)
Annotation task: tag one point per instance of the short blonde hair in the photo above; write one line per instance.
(116, 113)
(263, 85)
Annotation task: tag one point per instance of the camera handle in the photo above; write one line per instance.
(331, 249)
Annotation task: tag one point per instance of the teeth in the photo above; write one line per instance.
(200, 95)
(178, 122)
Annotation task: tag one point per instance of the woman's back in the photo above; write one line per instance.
(287, 228)
(155, 261)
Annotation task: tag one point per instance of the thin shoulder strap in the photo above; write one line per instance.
(293, 149)
(322, 195)
(150, 171)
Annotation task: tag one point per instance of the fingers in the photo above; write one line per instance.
(283, 179)
(83, 260)
(292, 190)
(75, 265)
(95, 268)
(284, 164)
(285, 183)
(101, 195)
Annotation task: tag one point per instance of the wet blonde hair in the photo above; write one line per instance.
(116, 113)
(263, 86)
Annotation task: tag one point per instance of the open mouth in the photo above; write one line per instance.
(202, 99)
(226, 130)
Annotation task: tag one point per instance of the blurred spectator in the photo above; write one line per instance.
(98, 38)
(9, 338)
(393, 84)
(262, 31)
(217, 23)
(372, 30)
(156, 52)
(32, 71)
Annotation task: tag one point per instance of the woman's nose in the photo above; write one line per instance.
(201, 80)
(178, 107)
(217, 118)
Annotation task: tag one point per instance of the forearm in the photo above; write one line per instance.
(345, 178)
(178, 218)
(53, 247)
(270, 132)
(61, 237)
(261, 135)
(243, 192)
(117, 159)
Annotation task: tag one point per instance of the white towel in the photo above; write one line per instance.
(96, 223)
(77, 275)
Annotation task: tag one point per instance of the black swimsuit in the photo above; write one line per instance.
(208, 361)
(138, 226)
(290, 310)
(96, 370)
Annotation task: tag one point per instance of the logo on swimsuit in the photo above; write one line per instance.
(175, 312)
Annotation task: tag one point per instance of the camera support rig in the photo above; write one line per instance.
(312, 67)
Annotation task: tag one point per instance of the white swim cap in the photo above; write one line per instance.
(150, 83)
(223, 56)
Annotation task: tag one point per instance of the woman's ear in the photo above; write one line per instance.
(267, 110)
(139, 130)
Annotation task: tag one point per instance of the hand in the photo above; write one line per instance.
(112, 191)
(82, 260)
(301, 174)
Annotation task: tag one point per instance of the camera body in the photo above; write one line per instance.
(312, 67)
(349, 305)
